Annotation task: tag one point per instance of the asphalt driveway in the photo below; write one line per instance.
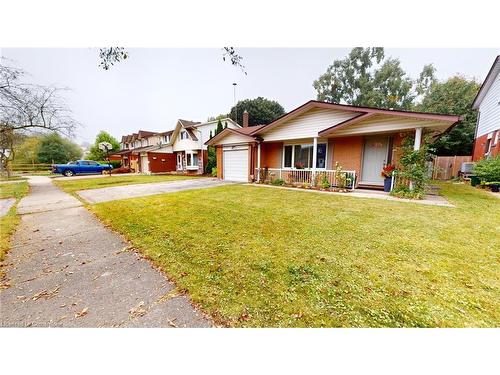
(67, 269)
(141, 190)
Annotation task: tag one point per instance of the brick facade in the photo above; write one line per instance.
(480, 146)
(348, 151)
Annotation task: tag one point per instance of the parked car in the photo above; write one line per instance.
(80, 167)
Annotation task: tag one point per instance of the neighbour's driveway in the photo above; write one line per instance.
(141, 190)
(67, 269)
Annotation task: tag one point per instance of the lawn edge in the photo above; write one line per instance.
(217, 323)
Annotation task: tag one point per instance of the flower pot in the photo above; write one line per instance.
(387, 184)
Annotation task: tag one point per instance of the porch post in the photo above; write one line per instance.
(315, 151)
(418, 139)
(416, 145)
(258, 162)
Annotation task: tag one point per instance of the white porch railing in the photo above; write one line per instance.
(306, 176)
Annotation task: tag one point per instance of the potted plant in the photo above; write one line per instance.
(387, 172)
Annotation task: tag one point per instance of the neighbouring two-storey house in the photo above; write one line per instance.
(181, 150)
(487, 101)
(188, 143)
(146, 152)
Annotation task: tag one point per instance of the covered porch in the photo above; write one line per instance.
(353, 161)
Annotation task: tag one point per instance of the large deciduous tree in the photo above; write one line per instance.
(26, 107)
(261, 111)
(96, 153)
(56, 149)
(364, 78)
(453, 96)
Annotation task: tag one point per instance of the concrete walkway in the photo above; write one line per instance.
(141, 190)
(5, 205)
(67, 269)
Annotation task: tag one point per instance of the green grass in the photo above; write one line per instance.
(16, 190)
(71, 186)
(8, 223)
(12, 178)
(260, 257)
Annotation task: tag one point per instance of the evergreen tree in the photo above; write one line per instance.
(219, 127)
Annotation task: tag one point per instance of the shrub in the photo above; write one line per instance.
(121, 170)
(214, 172)
(340, 176)
(278, 182)
(114, 163)
(325, 184)
(488, 170)
(412, 167)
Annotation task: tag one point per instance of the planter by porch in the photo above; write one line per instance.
(387, 184)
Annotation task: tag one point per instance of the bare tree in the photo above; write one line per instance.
(25, 107)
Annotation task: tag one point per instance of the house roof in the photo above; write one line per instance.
(490, 78)
(122, 152)
(188, 124)
(357, 109)
(191, 134)
(144, 149)
(246, 132)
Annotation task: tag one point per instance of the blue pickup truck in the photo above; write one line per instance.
(80, 167)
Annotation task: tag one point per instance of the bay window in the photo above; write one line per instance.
(300, 156)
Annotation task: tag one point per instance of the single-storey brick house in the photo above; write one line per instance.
(487, 101)
(316, 135)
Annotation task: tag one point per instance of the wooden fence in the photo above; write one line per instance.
(447, 167)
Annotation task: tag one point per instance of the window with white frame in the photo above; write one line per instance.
(166, 138)
(184, 134)
(191, 159)
(301, 156)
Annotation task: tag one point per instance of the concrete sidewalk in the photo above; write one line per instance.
(141, 190)
(67, 269)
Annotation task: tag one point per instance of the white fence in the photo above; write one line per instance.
(308, 176)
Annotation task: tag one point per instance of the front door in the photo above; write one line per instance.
(374, 159)
(145, 164)
(179, 161)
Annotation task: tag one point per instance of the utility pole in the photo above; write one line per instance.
(234, 98)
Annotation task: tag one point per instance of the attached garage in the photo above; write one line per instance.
(235, 163)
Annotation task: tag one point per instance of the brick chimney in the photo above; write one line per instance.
(245, 119)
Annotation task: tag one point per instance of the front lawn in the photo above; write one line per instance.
(8, 223)
(15, 190)
(72, 185)
(259, 257)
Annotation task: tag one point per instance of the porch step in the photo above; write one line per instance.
(371, 187)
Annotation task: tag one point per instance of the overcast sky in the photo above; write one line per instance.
(155, 87)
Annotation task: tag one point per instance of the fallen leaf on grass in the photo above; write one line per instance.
(82, 313)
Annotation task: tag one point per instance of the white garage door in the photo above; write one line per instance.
(236, 165)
